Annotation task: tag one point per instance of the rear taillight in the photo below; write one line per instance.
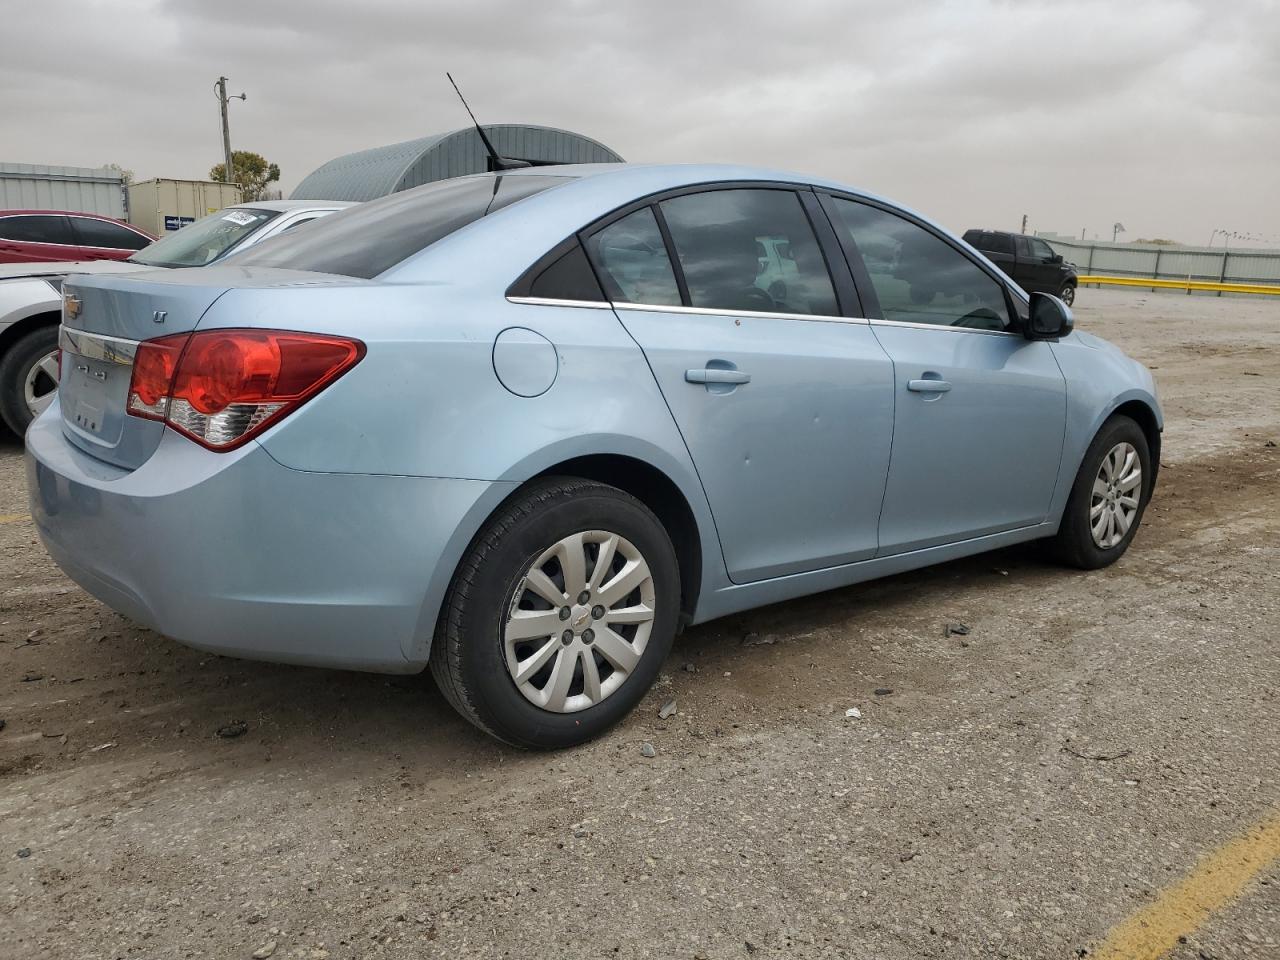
(220, 387)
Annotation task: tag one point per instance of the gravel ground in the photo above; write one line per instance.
(969, 812)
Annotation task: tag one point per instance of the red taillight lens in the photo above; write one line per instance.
(153, 368)
(220, 387)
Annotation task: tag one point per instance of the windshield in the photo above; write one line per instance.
(205, 240)
(373, 237)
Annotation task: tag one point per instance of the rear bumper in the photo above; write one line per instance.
(236, 554)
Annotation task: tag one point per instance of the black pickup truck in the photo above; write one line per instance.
(1028, 260)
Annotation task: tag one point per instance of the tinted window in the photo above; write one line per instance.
(632, 261)
(569, 277)
(1024, 246)
(749, 250)
(1041, 249)
(999, 243)
(205, 240)
(920, 278)
(37, 229)
(373, 237)
(104, 233)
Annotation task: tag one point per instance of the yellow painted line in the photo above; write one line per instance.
(14, 517)
(1216, 880)
(1149, 282)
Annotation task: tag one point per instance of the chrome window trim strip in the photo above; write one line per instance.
(940, 326)
(553, 302)
(755, 314)
(97, 346)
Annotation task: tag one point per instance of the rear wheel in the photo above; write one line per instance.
(1108, 498)
(560, 616)
(28, 377)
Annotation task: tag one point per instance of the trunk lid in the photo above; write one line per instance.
(111, 315)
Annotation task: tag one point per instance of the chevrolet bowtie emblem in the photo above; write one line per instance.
(71, 305)
(159, 315)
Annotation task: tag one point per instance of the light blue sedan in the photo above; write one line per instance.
(523, 427)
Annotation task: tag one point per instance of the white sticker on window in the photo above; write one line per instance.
(241, 218)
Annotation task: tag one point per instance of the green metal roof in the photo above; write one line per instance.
(399, 166)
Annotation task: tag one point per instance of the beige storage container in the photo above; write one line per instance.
(163, 206)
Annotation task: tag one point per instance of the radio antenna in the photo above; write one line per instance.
(495, 161)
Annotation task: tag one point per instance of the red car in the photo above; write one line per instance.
(34, 236)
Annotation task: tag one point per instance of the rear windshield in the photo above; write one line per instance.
(205, 240)
(372, 238)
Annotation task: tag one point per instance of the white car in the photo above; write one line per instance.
(31, 293)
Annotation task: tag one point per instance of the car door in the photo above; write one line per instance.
(1047, 266)
(785, 404)
(980, 411)
(105, 239)
(36, 238)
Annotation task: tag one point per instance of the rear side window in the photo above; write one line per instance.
(919, 277)
(373, 237)
(104, 233)
(999, 243)
(1024, 247)
(632, 261)
(749, 250)
(37, 228)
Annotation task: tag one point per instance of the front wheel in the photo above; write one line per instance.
(1067, 294)
(560, 615)
(28, 377)
(1108, 498)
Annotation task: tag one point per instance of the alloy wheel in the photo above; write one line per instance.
(1117, 490)
(579, 621)
(41, 383)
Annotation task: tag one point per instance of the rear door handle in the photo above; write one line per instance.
(711, 375)
(928, 386)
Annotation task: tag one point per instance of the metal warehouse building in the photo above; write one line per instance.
(383, 170)
(36, 186)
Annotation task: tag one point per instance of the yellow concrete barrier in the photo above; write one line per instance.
(1150, 282)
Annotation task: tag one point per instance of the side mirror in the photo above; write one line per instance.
(1048, 318)
(1056, 258)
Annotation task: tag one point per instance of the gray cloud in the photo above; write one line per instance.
(1077, 113)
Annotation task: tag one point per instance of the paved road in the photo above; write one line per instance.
(969, 813)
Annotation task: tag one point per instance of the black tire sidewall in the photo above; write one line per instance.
(15, 363)
(498, 704)
(1076, 535)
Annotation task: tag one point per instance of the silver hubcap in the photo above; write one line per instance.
(41, 383)
(579, 621)
(1116, 490)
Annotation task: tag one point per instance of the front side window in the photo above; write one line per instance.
(1024, 247)
(918, 277)
(104, 233)
(1041, 249)
(206, 240)
(632, 261)
(367, 240)
(749, 249)
(38, 228)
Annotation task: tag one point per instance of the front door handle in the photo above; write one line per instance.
(928, 386)
(713, 375)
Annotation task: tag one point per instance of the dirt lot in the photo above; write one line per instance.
(970, 812)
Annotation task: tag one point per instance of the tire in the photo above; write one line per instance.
(19, 362)
(1067, 294)
(1076, 543)
(474, 659)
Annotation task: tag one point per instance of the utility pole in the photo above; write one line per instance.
(1024, 223)
(221, 89)
(1116, 230)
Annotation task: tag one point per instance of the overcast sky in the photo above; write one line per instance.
(1161, 115)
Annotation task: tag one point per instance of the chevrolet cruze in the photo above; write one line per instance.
(523, 427)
